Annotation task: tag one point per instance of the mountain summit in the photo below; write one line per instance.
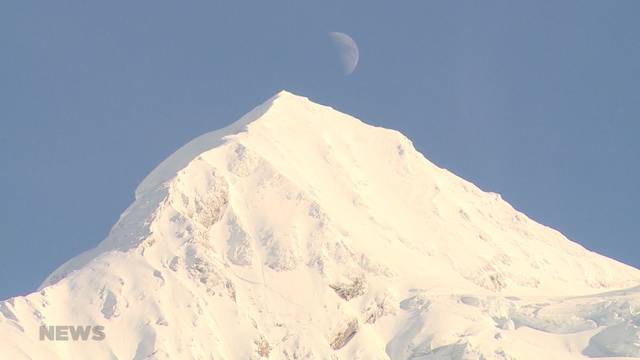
(300, 232)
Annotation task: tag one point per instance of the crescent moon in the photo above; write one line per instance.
(348, 50)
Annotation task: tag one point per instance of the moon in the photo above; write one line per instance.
(348, 51)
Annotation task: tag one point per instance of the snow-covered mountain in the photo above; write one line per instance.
(299, 232)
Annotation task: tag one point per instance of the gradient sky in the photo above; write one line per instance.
(537, 100)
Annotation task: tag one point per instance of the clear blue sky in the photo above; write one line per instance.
(537, 100)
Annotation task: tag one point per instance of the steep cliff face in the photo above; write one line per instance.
(300, 232)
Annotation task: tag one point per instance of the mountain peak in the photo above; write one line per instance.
(284, 98)
(320, 153)
(287, 94)
(282, 106)
(301, 232)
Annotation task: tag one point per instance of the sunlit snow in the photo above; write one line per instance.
(300, 232)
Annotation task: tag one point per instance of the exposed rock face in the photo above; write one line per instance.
(349, 291)
(263, 347)
(342, 338)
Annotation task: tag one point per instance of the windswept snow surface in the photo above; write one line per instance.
(300, 232)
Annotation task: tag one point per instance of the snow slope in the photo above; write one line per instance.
(299, 232)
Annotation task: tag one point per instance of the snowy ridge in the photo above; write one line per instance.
(179, 159)
(299, 232)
